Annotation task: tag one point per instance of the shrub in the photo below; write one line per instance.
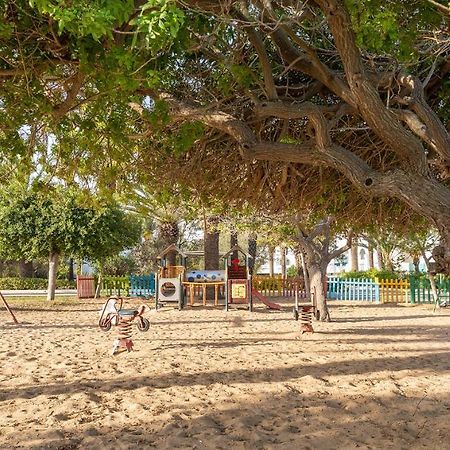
(292, 272)
(33, 283)
(372, 274)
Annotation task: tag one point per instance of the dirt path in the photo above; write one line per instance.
(377, 377)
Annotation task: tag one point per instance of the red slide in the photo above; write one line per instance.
(266, 301)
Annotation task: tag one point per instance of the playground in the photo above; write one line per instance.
(378, 376)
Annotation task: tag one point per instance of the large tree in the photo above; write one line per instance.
(288, 102)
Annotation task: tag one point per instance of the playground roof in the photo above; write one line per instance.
(170, 249)
(236, 248)
(198, 253)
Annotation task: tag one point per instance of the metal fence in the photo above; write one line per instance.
(278, 286)
(142, 285)
(420, 289)
(353, 289)
(412, 290)
(132, 285)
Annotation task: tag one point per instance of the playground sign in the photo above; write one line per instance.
(239, 290)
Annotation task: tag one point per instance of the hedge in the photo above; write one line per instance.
(371, 274)
(33, 283)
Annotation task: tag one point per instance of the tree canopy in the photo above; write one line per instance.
(36, 225)
(339, 105)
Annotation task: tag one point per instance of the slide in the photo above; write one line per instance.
(265, 300)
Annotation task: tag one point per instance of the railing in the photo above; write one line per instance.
(420, 289)
(394, 291)
(377, 291)
(278, 286)
(142, 285)
(353, 289)
(410, 290)
(116, 286)
(131, 285)
(204, 291)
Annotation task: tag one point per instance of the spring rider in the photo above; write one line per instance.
(114, 314)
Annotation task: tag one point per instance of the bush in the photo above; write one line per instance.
(292, 272)
(372, 274)
(33, 283)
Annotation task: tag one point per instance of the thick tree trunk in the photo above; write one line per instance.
(380, 258)
(434, 289)
(387, 260)
(317, 286)
(71, 274)
(316, 256)
(52, 271)
(211, 244)
(98, 288)
(99, 284)
(168, 233)
(298, 264)
(305, 276)
(211, 249)
(80, 267)
(26, 268)
(370, 256)
(354, 257)
(233, 242)
(416, 263)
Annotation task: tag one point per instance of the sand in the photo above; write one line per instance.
(377, 377)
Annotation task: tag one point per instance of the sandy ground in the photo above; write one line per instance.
(376, 377)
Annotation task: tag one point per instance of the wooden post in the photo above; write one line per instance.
(9, 309)
(191, 295)
(204, 295)
(216, 295)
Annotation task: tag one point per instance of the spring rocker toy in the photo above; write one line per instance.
(305, 313)
(113, 314)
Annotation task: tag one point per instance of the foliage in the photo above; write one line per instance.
(120, 265)
(372, 274)
(33, 283)
(37, 224)
(392, 26)
(292, 272)
(109, 95)
(145, 255)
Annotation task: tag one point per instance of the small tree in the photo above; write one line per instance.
(37, 226)
(314, 242)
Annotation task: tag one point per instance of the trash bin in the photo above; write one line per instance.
(85, 286)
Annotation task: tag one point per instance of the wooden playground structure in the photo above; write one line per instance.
(177, 285)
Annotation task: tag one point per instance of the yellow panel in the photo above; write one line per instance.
(238, 290)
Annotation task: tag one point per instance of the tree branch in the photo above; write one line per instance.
(382, 121)
(258, 44)
(438, 134)
(220, 120)
(63, 108)
(342, 249)
(311, 66)
(440, 7)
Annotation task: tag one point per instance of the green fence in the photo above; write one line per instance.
(420, 289)
(116, 286)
